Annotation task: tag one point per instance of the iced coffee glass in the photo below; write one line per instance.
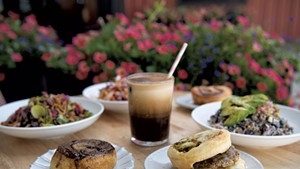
(150, 106)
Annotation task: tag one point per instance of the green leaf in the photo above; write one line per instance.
(236, 118)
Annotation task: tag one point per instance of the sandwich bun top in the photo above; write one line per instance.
(198, 147)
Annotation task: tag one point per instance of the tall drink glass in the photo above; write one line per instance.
(150, 106)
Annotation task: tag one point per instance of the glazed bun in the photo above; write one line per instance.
(207, 94)
(198, 147)
(82, 154)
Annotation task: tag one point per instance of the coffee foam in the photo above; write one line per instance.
(156, 102)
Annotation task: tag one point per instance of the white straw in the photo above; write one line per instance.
(179, 56)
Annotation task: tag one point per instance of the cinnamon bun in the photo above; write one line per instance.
(85, 153)
(206, 94)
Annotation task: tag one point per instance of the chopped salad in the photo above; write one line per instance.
(252, 114)
(47, 110)
(115, 91)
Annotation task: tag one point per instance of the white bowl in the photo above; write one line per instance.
(49, 131)
(202, 114)
(92, 92)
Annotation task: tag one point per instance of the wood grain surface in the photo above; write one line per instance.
(16, 153)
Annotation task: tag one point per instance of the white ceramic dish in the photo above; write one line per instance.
(186, 101)
(202, 114)
(124, 159)
(159, 159)
(92, 92)
(49, 131)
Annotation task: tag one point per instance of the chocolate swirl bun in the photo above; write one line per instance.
(206, 94)
(85, 153)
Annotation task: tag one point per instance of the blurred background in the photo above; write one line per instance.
(70, 17)
(67, 35)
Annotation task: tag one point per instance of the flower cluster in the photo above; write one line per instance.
(21, 40)
(78, 59)
(233, 52)
(241, 56)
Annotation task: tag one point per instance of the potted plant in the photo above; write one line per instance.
(23, 43)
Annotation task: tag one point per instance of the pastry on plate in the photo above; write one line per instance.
(207, 94)
(210, 149)
(85, 153)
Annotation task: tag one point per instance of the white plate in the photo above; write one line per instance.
(159, 159)
(49, 131)
(186, 101)
(124, 159)
(92, 92)
(202, 114)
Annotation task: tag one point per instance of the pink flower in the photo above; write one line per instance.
(254, 66)
(257, 47)
(182, 74)
(133, 33)
(261, 86)
(132, 68)
(243, 20)
(163, 49)
(31, 19)
(99, 57)
(159, 37)
(223, 66)
(282, 93)
(110, 65)
(149, 43)
(274, 76)
(119, 36)
(44, 30)
(214, 24)
(13, 15)
(139, 15)
(274, 35)
(127, 46)
(241, 82)
(102, 77)
(142, 46)
(81, 75)
(248, 56)
(11, 35)
(72, 51)
(46, 56)
(27, 27)
(121, 72)
(83, 67)
(124, 20)
(172, 48)
(234, 70)
(16, 57)
(72, 60)
(4, 27)
(80, 40)
(140, 27)
(2, 76)
(183, 28)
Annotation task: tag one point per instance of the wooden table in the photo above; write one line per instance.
(16, 153)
